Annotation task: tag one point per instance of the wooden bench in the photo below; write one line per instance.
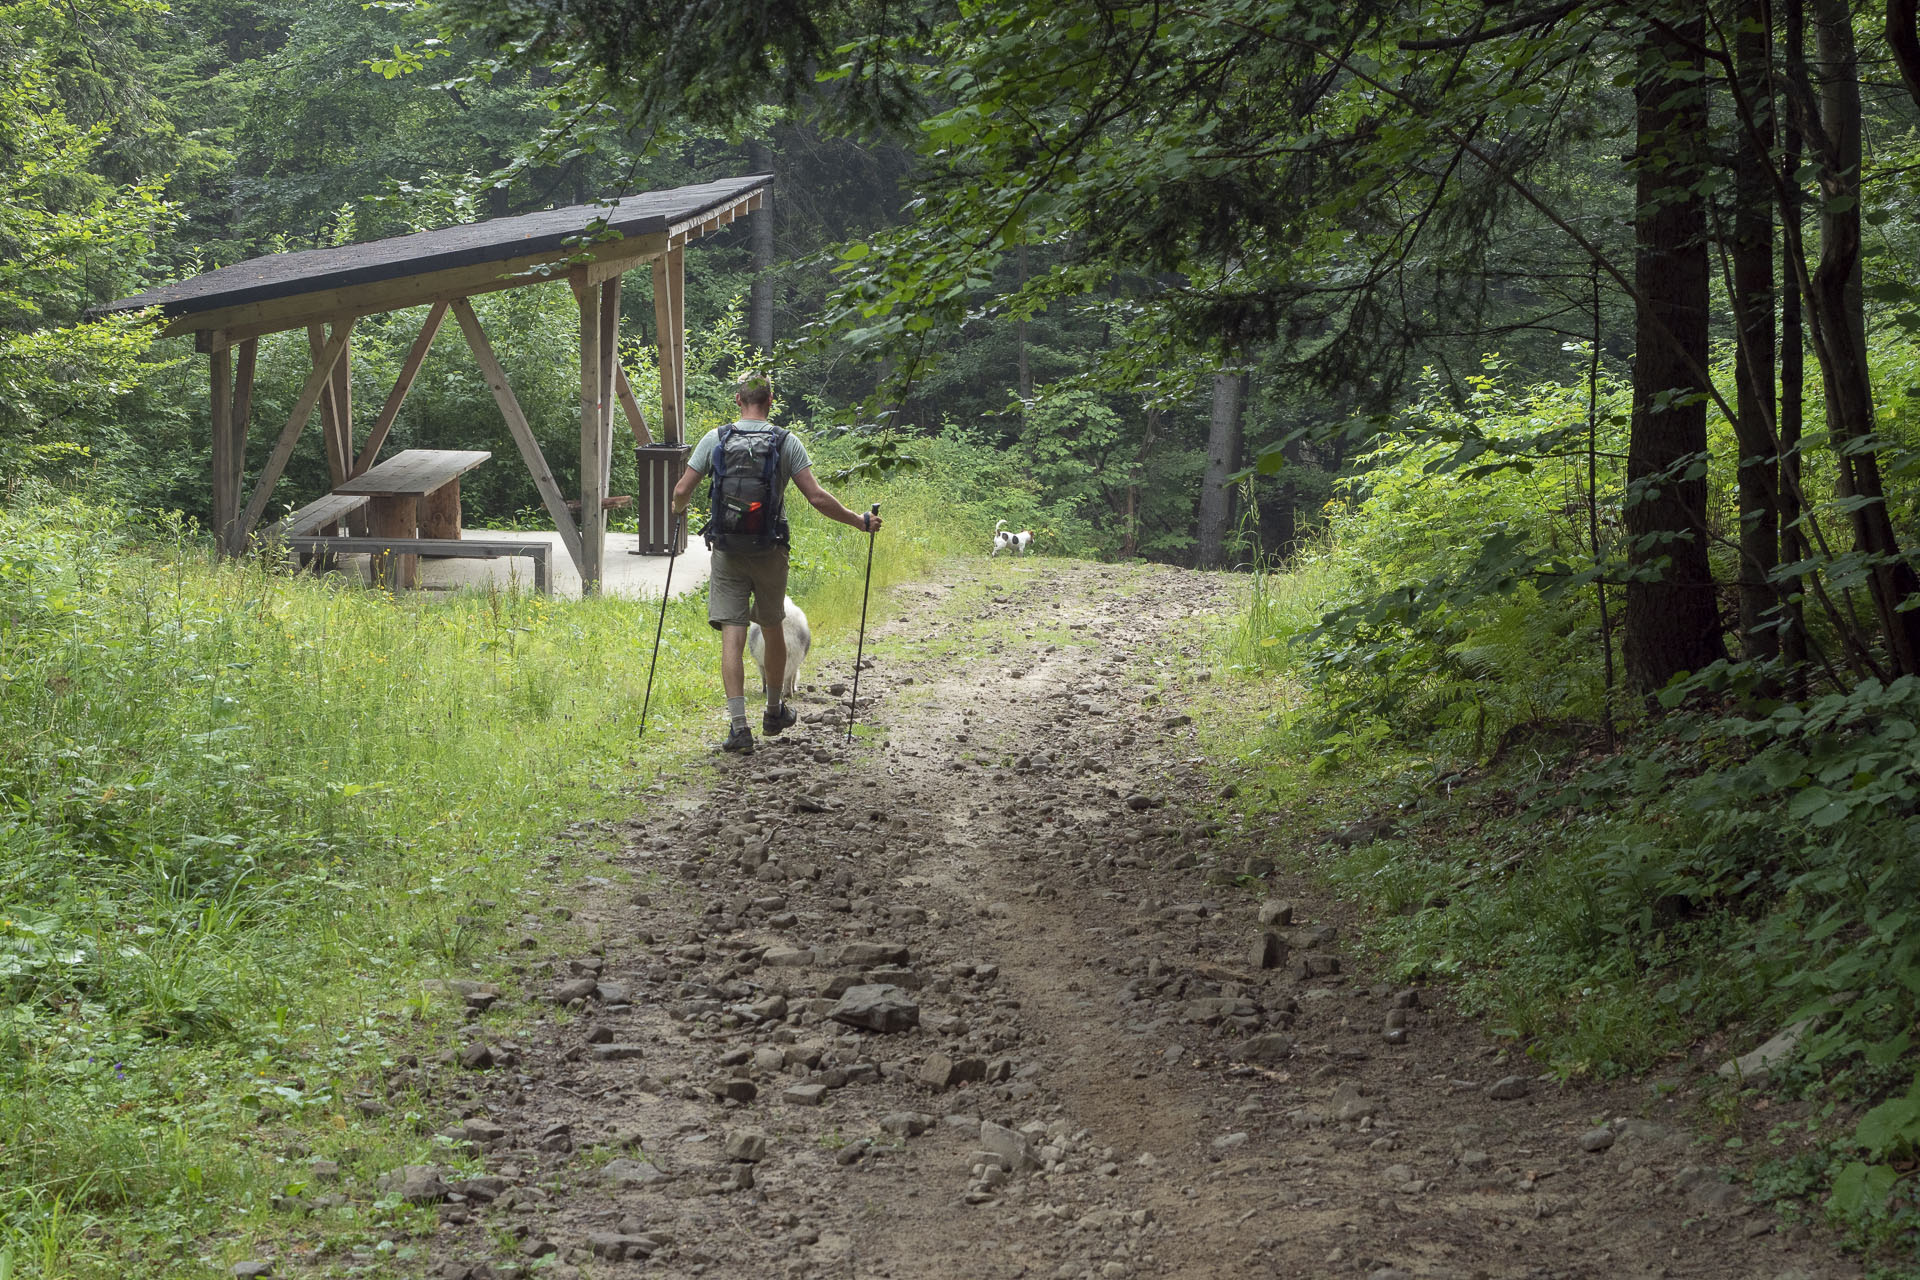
(541, 553)
(324, 511)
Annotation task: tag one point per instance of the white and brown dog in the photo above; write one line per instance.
(799, 639)
(1005, 539)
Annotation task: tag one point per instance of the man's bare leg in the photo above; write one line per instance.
(733, 675)
(733, 667)
(774, 642)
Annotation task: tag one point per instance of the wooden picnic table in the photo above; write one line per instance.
(415, 493)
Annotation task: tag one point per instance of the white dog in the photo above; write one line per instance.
(799, 640)
(1005, 539)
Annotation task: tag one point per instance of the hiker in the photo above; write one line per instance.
(751, 461)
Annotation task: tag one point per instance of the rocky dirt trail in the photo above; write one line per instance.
(978, 997)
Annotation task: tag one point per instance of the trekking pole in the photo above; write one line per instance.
(666, 594)
(853, 708)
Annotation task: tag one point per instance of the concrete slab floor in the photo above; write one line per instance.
(624, 574)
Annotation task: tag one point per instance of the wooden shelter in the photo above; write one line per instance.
(591, 247)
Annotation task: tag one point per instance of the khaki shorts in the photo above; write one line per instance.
(736, 576)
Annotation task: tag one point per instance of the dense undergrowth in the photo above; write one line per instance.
(1623, 889)
(247, 812)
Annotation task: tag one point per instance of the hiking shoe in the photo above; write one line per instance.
(773, 722)
(740, 740)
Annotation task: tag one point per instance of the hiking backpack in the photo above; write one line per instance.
(748, 508)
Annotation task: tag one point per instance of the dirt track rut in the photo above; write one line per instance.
(1022, 850)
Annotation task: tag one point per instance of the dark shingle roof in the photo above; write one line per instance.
(285, 275)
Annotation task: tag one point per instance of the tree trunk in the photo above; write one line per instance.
(760, 296)
(1131, 546)
(1020, 341)
(1793, 542)
(1752, 252)
(1671, 624)
(1836, 302)
(1223, 459)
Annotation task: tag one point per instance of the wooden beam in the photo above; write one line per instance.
(343, 410)
(226, 495)
(228, 325)
(290, 434)
(517, 424)
(243, 408)
(677, 284)
(409, 370)
(630, 403)
(609, 376)
(669, 317)
(593, 521)
(337, 458)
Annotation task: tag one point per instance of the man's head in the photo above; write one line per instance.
(754, 392)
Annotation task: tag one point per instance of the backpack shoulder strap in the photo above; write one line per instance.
(720, 454)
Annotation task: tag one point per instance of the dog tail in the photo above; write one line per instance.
(998, 525)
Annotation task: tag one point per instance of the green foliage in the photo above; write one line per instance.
(1459, 575)
(69, 237)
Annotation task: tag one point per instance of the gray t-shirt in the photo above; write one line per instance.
(793, 454)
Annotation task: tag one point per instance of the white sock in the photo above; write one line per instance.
(737, 711)
(774, 701)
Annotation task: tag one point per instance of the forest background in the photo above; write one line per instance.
(1551, 369)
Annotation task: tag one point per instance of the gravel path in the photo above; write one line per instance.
(979, 998)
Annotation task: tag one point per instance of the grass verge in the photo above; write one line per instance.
(247, 815)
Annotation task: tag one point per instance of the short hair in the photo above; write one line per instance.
(755, 389)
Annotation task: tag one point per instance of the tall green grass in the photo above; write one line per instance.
(246, 812)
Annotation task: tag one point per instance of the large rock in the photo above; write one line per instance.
(877, 1007)
(1509, 1088)
(416, 1184)
(940, 1071)
(1269, 950)
(1010, 1144)
(616, 1247)
(868, 955)
(1266, 1048)
(1349, 1104)
(1755, 1067)
(1212, 1009)
(748, 1145)
(633, 1173)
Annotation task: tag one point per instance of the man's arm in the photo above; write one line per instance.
(683, 490)
(828, 505)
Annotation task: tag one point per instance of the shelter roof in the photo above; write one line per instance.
(555, 232)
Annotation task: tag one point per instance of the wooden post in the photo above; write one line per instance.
(409, 370)
(394, 518)
(243, 411)
(290, 434)
(669, 316)
(609, 375)
(226, 495)
(517, 425)
(339, 461)
(593, 523)
(440, 512)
